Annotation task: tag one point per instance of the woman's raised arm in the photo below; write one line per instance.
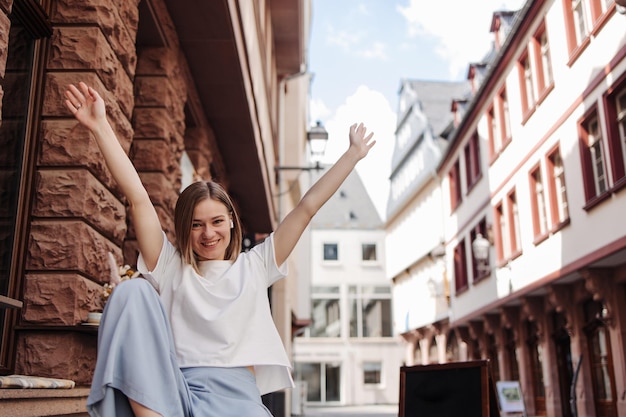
(291, 228)
(89, 109)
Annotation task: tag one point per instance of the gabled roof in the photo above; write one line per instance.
(434, 99)
(349, 208)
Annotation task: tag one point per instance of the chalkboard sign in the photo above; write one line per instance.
(448, 390)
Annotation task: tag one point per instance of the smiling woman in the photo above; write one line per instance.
(210, 305)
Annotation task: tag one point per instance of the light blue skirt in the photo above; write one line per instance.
(136, 360)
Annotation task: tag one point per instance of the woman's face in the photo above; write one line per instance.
(210, 230)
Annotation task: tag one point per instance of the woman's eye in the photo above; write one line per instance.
(218, 221)
(195, 225)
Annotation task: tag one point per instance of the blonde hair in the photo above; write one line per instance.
(183, 218)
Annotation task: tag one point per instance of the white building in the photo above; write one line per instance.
(536, 164)
(348, 355)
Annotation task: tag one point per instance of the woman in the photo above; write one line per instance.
(205, 344)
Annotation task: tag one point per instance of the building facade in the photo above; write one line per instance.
(194, 90)
(348, 355)
(534, 170)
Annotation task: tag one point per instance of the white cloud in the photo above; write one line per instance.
(378, 50)
(372, 109)
(345, 39)
(318, 110)
(459, 27)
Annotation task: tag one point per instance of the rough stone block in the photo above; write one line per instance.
(160, 91)
(162, 191)
(67, 143)
(60, 299)
(59, 354)
(152, 155)
(69, 245)
(77, 193)
(118, 21)
(167, 224)
(5, 26)
(6, 5)
(85, 48)
(158, 61)
(56, 84)
(156, 123)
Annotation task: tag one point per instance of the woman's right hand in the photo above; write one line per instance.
(85, 104)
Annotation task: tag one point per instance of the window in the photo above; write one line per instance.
(559, 211)
(454, 177)
(22, 86)
(371, 372)
(323, 380)
(514, 224)
(538, 203)
(495, 141)
(527, 85)
(510, 352)
(492, 354)
(543, 60)
(580, 20)
(507, 224)
(594, 172)
(599, 8)
(479, 269)
(370, 311)
(535, 358)
(368, 251)
(331, 252)
(576, 29)
(503, 111)
(600, 356)
(325, 312)
(615, 104)
(472, 161)
(503, 242)
(460, 267)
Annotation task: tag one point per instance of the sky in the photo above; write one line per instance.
(361, 50)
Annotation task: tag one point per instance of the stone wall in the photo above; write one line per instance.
(78, 213)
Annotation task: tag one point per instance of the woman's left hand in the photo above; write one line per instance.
(359, 142)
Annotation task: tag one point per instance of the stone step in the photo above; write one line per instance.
(17, 402)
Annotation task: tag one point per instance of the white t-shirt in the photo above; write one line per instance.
(222, 318)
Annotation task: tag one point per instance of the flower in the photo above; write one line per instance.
(119, 274)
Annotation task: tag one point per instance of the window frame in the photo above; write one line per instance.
(615, 120)
(378, 372)
(456, 193)
(461, 279)
(330, 260)
(557, 193)
(356, 296)
(514, 225)
(538, 202)
(363, 249)
(527, 83)
(473, 168)
(590, 181)
(543, 62)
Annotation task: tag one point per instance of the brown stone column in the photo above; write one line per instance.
(159, 125)
(78, 213)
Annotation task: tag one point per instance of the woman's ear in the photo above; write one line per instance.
(232, 225)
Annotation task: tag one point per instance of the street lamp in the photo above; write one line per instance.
(317, 137)
(480, 249)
